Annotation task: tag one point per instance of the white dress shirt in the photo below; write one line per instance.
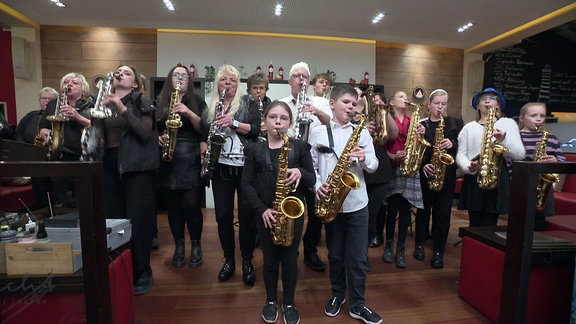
(324, 163)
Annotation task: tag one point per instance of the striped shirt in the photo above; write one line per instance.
(530, 139)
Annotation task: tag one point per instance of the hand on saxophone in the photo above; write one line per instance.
(293, 176)
(269, 217)
(358, 152)
(114, 99)
(420, 129)
(429, 169)
(446, 144)
(499, 135)
(322, 191)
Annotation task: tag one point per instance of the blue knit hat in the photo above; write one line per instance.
(491, 91)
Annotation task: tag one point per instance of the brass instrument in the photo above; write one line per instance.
(414, 147)
(301, 128)
(440, 160)
(92, 139)
(341, 180)
(377, 115)
(289, 207)
(262, 136)
(39, 140)
(491, 154)
(216, 138)
(56, 137)
(173, 122)
(546, 179)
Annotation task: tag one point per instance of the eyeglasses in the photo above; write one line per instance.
(491, 98)
(179, 75)
(298, 76)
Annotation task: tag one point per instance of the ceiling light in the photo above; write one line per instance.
(58, 3)
(463, 28)
(169, 5)
(378, 17)
(278, 9)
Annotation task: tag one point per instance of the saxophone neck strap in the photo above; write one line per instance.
(330, 136)
(268, 157)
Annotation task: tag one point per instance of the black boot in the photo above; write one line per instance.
(401, 256)
(388, 256)
(179, 254)
(248, 272)
(195, 255)
(227, 270)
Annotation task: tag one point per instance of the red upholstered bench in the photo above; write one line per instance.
(565, 198)
(562, 223)
(480, 284)
(9, 197)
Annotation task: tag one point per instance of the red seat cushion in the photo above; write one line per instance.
(9, 197)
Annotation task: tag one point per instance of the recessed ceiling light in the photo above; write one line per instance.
(169, 5)
(58, 3)
(378, 17)
(278, 9)
(465, 27)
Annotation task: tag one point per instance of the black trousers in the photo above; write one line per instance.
(439, 205)
(314, 227)
(277, 255)
(398, 205)
(225, 184)
(184, 211)
(376, 209)
(132, 196)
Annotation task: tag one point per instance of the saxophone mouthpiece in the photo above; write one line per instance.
(117, 76)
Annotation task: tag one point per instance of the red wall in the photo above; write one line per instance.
(7, 91)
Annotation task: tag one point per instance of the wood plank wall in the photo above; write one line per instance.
(405, 66)
(95, 51)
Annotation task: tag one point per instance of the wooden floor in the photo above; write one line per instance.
(416, 294)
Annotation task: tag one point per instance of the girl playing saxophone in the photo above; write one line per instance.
(484, 205)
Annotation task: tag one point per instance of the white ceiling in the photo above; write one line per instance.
(427, 22)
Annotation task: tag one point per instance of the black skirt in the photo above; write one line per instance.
(183, 172)
(495, 201)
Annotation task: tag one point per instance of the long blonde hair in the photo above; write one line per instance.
(235, 104)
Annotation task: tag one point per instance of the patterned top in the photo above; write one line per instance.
(530, 139)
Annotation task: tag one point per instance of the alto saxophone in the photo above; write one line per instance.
(173, 122)
(216, 138)
(56, 137)
(440, 160)
(491, 154)
(39, 140)
(289, 207)
(301, 128)
(341, 180)
(92, 139)
(414, 147)
(377, 115)
(546, 179)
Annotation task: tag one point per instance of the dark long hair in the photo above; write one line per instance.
(163, 100)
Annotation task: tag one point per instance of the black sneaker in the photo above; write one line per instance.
(332, 307)
(291, 315)
(270, 312)
(365, 314)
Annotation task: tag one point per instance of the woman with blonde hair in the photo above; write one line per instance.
(239, 122)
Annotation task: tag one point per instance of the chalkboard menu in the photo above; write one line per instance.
(541, 68)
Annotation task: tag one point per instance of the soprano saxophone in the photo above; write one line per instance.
(440, 160)
(289, 207)
(546, 179)
(56, 137)
(377, 115)
(341, 180)
(301, 128)
(216, 138)
(92, 139)
(491, 154)
(173, 122)
(414, 147)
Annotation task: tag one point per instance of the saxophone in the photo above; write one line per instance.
(216, 138)
(546, 179)
(414, 147)
(289, 207)
(340, 180)
(56, 137)
(376, 114)
(92, 139)
(173, 122)
(440, 160)
(301, 128)
(491, 154)
(39, 140)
